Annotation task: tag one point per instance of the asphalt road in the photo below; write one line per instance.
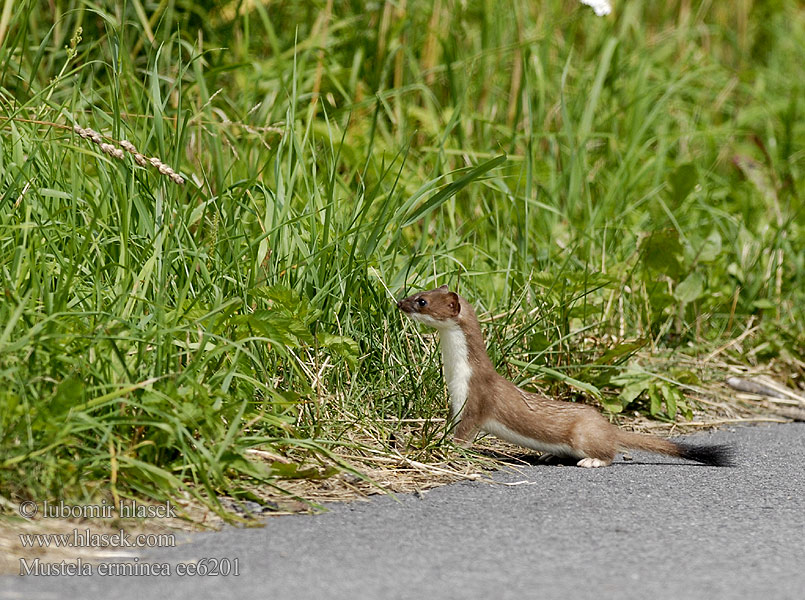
(650, 528)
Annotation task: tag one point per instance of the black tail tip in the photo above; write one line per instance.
(715, 455)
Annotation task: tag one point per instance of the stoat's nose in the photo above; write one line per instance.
(399, 304)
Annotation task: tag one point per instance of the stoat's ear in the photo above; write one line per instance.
(443, 288)
(453, 304)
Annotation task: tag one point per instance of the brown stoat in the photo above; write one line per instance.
(483, 400)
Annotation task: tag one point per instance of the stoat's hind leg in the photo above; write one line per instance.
(552, 459)
(593, 463)
(594, 438)
(548, 459)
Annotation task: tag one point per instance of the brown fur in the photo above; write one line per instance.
(573, 430)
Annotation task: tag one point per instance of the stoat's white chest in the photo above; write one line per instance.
(457, 370)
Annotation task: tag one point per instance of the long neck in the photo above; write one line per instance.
(476, 348)
(464, 355)
(457, 369)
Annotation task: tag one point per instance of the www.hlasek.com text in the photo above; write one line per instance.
(88, 539)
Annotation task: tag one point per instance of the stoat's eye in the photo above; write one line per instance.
(421, 302)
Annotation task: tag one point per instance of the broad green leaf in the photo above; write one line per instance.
(69, 393)
(662, 252)
(244, 466)
(631, 392)
(670, 395)
(659, 298)
(611, 404)
(655, 405)
(690, 288)
(687, 377)
(278, 327)
(683, 181)
(711, 249)
(287, 299)
(684, 409)
(343, 346)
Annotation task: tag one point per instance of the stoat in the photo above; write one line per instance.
(482, 400)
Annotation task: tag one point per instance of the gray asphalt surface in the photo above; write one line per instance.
(650, 528)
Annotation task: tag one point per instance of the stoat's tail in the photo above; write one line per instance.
(716, 455)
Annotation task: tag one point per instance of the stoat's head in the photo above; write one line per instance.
(438, 308)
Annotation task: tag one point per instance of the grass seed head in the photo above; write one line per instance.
(114, 152)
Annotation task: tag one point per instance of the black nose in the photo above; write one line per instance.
(399, 304)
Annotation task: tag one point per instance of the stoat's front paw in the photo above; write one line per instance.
(466, 444)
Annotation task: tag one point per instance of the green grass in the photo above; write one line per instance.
(601, 185)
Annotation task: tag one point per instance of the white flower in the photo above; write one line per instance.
(601, 7)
